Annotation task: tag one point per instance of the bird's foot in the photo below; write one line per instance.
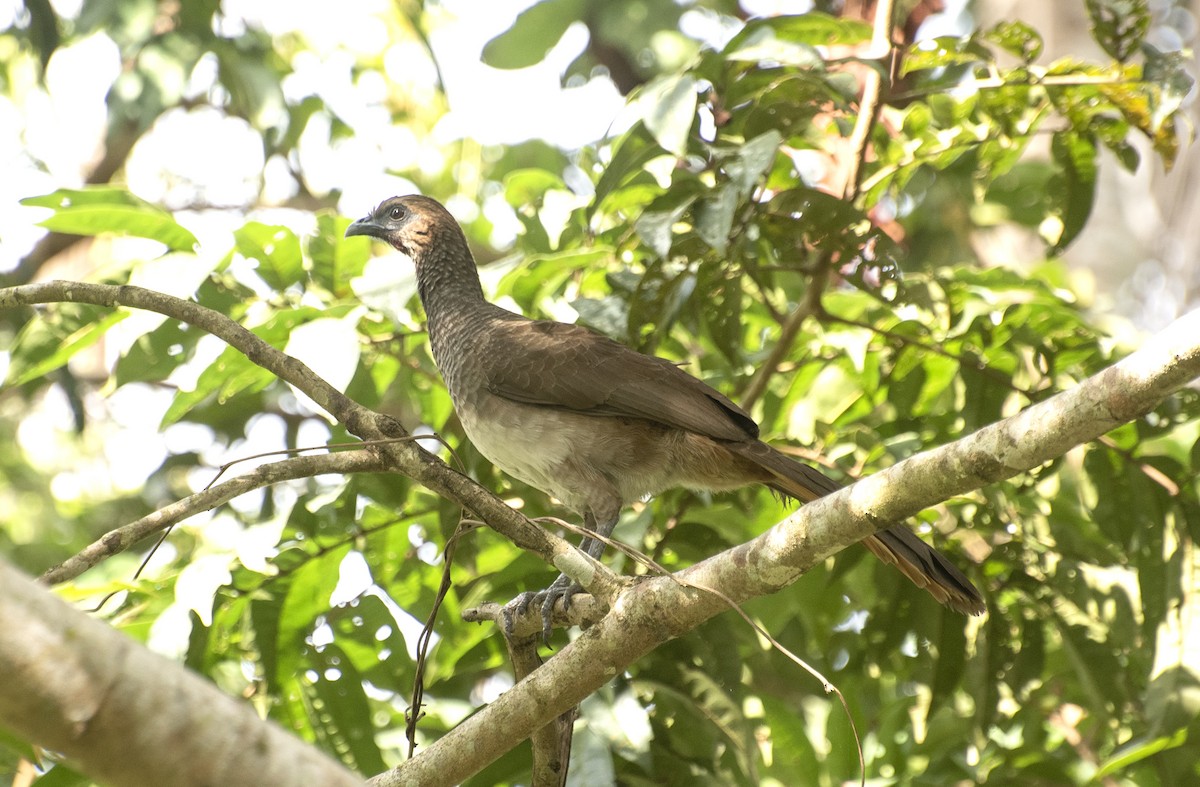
(563, 587)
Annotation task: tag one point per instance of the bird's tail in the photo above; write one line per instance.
(898, 545)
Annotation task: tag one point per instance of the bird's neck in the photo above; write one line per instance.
(456, 313)
(447, 279)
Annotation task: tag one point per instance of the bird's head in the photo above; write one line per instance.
(410, 224)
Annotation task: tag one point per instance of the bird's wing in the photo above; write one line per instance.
(565, 366)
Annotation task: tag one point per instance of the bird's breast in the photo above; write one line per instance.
(527, 442)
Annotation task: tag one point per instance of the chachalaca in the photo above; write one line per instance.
(590, 421)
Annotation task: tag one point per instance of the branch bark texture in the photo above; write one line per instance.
(643, 617)
(120, 539)
(404, 457)
(126, 716)
(654, 611)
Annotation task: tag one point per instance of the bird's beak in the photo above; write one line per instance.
(365, 226)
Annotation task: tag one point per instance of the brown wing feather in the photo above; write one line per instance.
(921, 563)
(608, 379)
(605, 378)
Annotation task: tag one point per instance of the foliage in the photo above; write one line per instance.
(693, 234)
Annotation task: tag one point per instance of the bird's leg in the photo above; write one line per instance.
(564, 587)
(594, 547)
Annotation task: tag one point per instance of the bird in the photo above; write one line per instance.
(592, 422)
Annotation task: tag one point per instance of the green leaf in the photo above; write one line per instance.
(942, 52)
(1119, 26)
(264, 619)
(609, 315)
(668, 108)
(630, 154)
(722, 310)
(94, 211)
(250, 73)
(533, 34)
(277, 250)
(656, 227)
(44, 345)
(714, 218)
(1017, 38)
(1076, 155)
(336, 259)
(62, 776)
(307, 597)
(789, 40)
(1171, 80)
(92, 195)
(155, 355)
(1139, 749)
(529, 185)
(344, 717)
(759, 43)
(752, 160)
(231, 374)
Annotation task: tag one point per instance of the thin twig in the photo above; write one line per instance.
(120, 539)
(414, 712)
(860, 137)
(869, 104)
(782, 348)
(656, 611)
(999, 83)
(654, 567)
(405, 457)
(333, 447)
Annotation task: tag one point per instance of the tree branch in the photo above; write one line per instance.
(126, 716)
(859, 141)
(654, 611)
(404, 457)
(122, 538)
(401, 456)
(868, 105)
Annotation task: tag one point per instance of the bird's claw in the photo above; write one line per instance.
(562, 588)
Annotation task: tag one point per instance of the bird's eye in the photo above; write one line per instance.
(396, 213)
